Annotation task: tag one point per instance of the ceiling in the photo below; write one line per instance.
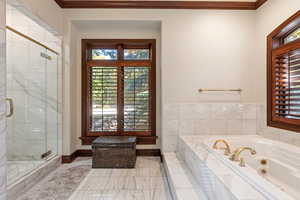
(163, 4)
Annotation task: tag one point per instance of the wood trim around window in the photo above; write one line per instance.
(276, 46)
(87, 44)
(228, 5)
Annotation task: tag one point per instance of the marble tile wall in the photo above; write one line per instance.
(2, 103)
(286, 136)
(34, 84)
(207, 119)
(31, 25)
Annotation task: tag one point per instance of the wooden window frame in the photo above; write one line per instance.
(275, 46)
(87, 45)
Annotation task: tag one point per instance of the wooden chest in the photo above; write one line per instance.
(114, 152)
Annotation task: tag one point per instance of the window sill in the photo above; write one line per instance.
(145, 140)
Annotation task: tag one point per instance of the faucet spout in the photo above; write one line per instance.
(227, 150)
(236, 155)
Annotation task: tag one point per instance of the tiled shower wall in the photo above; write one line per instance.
(32, 83)
(207, 119)
(2, 103)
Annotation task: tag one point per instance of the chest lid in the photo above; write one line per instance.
(114, 141)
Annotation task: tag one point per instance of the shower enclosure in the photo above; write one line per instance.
(32, 98)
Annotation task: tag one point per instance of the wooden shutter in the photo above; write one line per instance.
(103, 93)
(137, 99)
(286, 85)
(283, 75)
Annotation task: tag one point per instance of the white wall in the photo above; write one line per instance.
(268, 17)
(45, 11)
(199, 48)
(2, 103)
(19, 19)
(108, 30)
(75, 93)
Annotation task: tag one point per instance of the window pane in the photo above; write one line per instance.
(104, 98)
(136, 54)
(293, 36)
(287, 85)
(136, 99)
(104, 54)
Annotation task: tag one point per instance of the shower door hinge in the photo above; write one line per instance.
(45, 155)
(44, 55)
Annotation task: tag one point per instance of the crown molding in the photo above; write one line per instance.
(259, 3)
(224, 5)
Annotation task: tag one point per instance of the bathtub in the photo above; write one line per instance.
(272, 174)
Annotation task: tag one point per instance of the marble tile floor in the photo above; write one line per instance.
(146, 182)
(18, 169)
(77, 181)
(61, 183)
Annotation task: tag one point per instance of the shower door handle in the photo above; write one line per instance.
(11, 107)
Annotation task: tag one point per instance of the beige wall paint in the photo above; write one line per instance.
(108, 30)
(46, 11)
(74, 91)
(268, 17)
(195, 46)
(199, 48)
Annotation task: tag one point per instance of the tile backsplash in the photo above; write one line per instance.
(219, 119)
(207, 119)
(286, 136)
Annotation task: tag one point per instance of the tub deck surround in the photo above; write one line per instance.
(282, 165)
(245, 182)
(181, 181)
(216, 180)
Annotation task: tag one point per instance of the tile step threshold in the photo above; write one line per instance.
(182, 184)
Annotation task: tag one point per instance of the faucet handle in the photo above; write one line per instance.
(242, 162)
(227, 152)
(232, 157)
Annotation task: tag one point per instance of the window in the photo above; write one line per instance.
(136, 54)
(104, 54)
(293, 36)
(118, 89)
(284, 75)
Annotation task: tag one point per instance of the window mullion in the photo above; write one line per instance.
(120, 109)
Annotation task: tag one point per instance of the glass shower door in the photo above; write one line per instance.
(26, 87)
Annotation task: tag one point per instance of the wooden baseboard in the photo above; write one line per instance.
(69, 158)
(88, 153)
(84, 153)
(148, 152)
